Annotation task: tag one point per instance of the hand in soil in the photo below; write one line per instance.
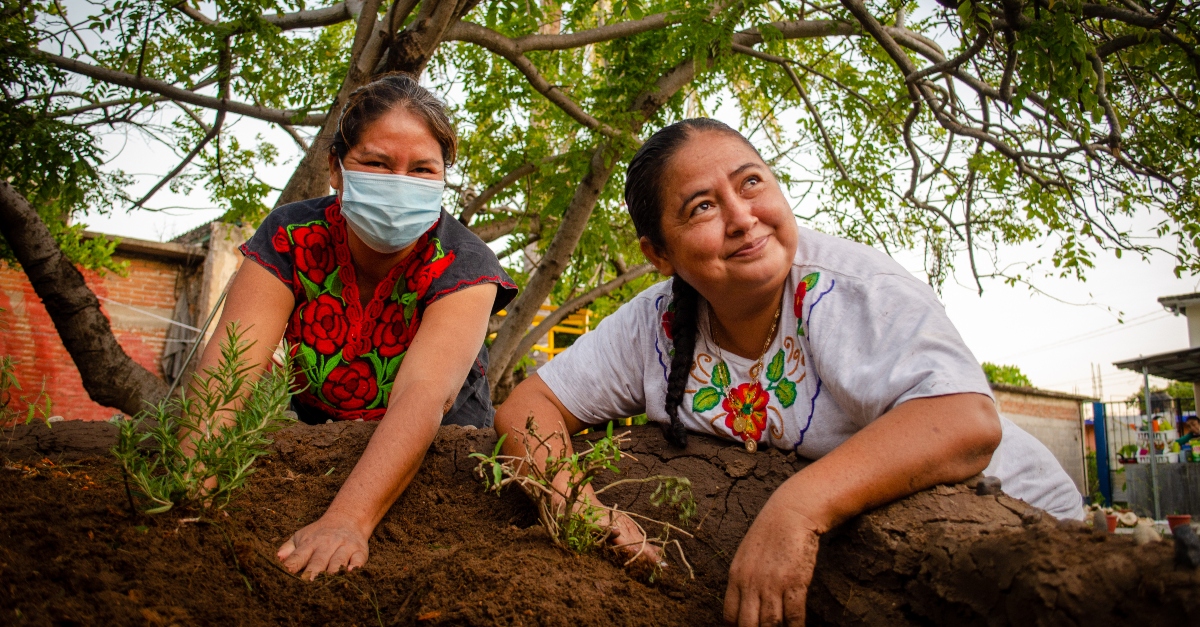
(629, 539)
(770, 574)
(326, 546)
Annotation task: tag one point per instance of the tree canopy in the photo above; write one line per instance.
(1005, 375)
(957, 129)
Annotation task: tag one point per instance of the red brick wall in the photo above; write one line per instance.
(29, 337)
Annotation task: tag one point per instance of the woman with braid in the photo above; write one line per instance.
(769, 334)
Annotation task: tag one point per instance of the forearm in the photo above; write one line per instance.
(919, 444)
(391, 460)
(533, 398)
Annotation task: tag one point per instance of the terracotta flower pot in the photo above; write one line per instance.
(1174, 520)
(1112, 522)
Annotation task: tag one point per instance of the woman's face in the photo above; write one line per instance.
(399, 142)
(726, 225)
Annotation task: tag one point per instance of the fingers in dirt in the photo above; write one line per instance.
(770, 609)
(795, 606)
(733, 598)
(748, 610)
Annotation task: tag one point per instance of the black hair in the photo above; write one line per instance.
(390, 91)
(643, 199)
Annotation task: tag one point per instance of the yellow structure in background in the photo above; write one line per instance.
(574, 324)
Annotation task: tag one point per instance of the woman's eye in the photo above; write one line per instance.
(751, 181)
(702, 207)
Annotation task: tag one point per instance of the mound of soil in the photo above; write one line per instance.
(449, 553)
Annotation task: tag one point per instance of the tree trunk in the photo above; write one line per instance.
(521, 312)
(110, 376)
(311, 177)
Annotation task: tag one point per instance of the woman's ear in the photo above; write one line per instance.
(335, 173)
(661, 263)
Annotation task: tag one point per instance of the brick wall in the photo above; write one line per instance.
(1040, 406)
(29, 337)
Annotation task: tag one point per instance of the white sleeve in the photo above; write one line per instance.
(879, 342)
(599, 378)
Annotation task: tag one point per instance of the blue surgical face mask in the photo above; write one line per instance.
(390, 211)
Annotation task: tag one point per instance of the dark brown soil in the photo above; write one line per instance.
(448, 553)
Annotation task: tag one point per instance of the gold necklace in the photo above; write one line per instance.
(756, 369)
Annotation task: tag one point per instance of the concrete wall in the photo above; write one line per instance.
(1054, 421)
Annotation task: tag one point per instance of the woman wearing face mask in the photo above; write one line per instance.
(384, 299)
(773, 335)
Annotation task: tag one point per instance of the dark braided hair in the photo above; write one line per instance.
(643, 198)
(391, 91)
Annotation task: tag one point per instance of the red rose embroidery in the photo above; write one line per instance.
(668, 323)
(746, 410)
(314, 252)
(798, 305)
(421, 276)
(280, 241)
(392, 333)
(323, 324)
(350, 386)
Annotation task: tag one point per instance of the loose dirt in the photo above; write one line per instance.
(450, 554)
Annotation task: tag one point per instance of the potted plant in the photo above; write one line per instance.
(1174, 520)
(1127, 454)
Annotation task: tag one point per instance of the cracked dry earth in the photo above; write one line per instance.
(448, 553)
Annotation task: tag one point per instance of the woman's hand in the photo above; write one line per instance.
(770, 574)
(325, 546)
(628, 538)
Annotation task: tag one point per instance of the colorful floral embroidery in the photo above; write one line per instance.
(746, 405)
(349, 354)
(802, 289)
(668, 321)
(746, 410)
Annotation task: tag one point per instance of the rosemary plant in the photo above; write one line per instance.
(575, 522)
(225, 414)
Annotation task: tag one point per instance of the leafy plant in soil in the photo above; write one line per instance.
(36, 409)
(574, 522)
(224, 416)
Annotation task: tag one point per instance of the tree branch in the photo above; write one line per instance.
(812, 111)
(504, 47)
(314, 18)
(461, 31)
(278, 116)
(479, 202)
(579, 302)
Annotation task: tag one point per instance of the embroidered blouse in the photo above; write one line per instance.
(349, 353)
(858, 335)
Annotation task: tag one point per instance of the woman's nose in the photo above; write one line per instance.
(739, 216)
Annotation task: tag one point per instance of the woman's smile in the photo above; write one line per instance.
(751, 249)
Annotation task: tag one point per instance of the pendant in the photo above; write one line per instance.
(751, 446)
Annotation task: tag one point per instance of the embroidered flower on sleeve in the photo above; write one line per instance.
(802, 289)
(314, 252)
(280, 241)
(746, 410)
(350, 386)
(668, 322)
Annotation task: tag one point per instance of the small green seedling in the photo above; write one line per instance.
(225, 418)
(37, 408)
(574, 521)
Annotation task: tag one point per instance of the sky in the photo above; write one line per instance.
(1056, 338)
